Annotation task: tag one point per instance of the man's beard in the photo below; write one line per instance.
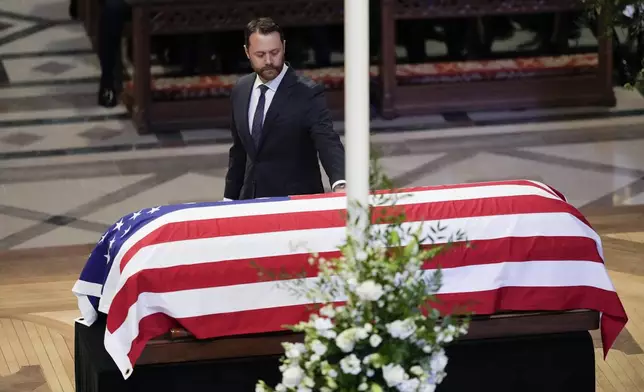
(269, 72)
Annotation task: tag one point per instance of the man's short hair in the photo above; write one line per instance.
(262, 26)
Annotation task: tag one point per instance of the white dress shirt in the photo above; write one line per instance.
(269, 94)
(268, 98)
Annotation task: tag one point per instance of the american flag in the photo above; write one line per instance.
(195, 265)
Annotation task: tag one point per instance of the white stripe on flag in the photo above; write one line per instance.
(82, 289)
(87, 288)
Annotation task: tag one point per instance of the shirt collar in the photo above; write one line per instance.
(273, 84)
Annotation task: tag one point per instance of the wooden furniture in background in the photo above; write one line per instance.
(88, 14)
(591, 86)
(160, 104)
(170, 17)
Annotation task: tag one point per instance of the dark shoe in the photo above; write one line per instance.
(107, 97)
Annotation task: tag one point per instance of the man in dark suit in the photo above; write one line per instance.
(280, 124)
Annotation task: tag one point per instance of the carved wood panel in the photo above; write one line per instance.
(421, 9)
(223, 15)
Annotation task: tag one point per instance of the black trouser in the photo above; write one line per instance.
(114, 13)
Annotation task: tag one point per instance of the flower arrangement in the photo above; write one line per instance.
(629, 15)
(375, 328)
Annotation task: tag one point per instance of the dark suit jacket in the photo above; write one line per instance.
(297, 128)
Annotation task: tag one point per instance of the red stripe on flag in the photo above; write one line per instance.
(236, 272)
(507, 299)
(255, 224)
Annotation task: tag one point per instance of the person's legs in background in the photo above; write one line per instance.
(73, 9)
(112, 20)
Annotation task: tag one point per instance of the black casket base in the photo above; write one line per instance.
(553, 362)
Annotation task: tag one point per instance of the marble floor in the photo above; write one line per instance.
(69, 168)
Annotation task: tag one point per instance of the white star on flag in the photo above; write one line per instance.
(102, 238)
(112, 241)
(119, 224)
(153, 210)
(108, 258)
(135, 215)
(126, 231)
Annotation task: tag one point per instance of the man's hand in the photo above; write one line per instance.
(340, 188)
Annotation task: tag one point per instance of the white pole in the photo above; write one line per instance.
(356, 109)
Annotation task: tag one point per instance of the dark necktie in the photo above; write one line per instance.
(258, 119)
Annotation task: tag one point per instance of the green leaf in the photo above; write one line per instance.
(394, 238)
(376, 388)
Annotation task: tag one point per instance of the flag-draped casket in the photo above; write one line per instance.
(197, 265)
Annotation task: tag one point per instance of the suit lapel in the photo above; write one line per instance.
(280, 100)
(241, 106)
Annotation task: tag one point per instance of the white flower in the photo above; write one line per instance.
(416, 370)
(370, 372)
(375, 340)
(427, 387)
(361, 255)
(393, 374)
(346, 340)
(280, 388)
(363, 387)
(370, 291)
(444, 337)
(629, 11)
(295, 350)
(438, 361)
(322, 324)
(324, 327)
(368, 327)
(329, 334)
(260, 388)
(292, 376)
(350, 365)
(401, 329)
(327, 311)
(333, 373)
(318, 347)
(361, 333)
(308, 382)
(410, 385)
(371, 359)
(304, 389)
